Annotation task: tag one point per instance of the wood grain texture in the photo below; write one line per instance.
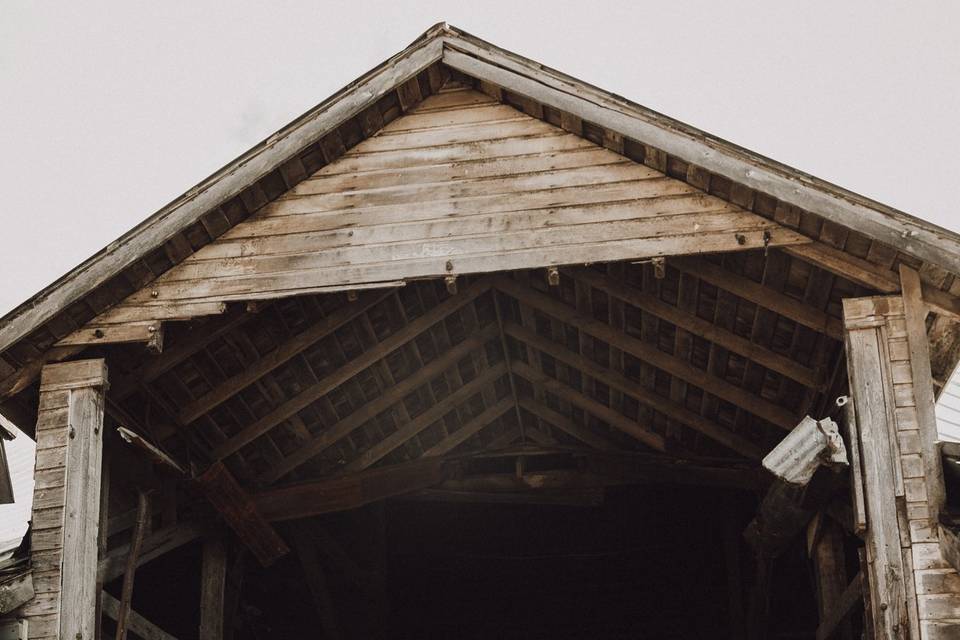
(443, 191)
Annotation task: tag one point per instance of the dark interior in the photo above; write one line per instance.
(650, 561)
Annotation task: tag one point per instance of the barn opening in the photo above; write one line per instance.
(476, 348)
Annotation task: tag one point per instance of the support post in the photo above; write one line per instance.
(212, 589)
(66, 506)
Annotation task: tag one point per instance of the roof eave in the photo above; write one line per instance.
(523, 76)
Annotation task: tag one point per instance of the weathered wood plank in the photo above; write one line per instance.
(886, 570)
(922, 378)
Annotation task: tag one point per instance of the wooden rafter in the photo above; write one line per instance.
(350, 369)
(343, 428)
(561, 422)
(282, 354)
(700, 327)
(471, 428)
(761, 295)
(870, 275)
(436, 412)
(715, 385)
(617, 420)
(630, 387)
(195, 342)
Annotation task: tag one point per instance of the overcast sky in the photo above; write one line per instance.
(109, 110)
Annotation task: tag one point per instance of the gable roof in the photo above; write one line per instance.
(267, 170)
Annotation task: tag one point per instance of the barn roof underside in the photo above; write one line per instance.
(384, 296)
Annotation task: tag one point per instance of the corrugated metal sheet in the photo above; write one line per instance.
(14, 517)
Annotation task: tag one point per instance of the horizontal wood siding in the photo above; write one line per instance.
(460, 184)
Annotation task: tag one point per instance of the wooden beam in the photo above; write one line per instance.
(829, 566)
(159, 543)
(563, 423)
(342, 493)
(872, 394)
(368, 411)
(617, 420)
(763, 356)
(213, 580)
(191, 344)
(145, 331)
(238, 510)
(851, 595)
(763, 296)
(350, 369)
(870, 275)
(919, 347)
(66, 506)
(410, 430)
(471, 428)
(317, 583)
(650, 354)
(135, 622)
(631, 388)
(282, 354)
(139, 530)
(786, 508)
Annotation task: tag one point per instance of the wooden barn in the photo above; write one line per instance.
(474, 349)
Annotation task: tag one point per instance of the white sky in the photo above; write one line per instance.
(109, 110)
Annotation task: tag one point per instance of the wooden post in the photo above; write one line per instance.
(139, 530)
(66, 504)
(872, 388)
(212, 589)
(831, 574)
